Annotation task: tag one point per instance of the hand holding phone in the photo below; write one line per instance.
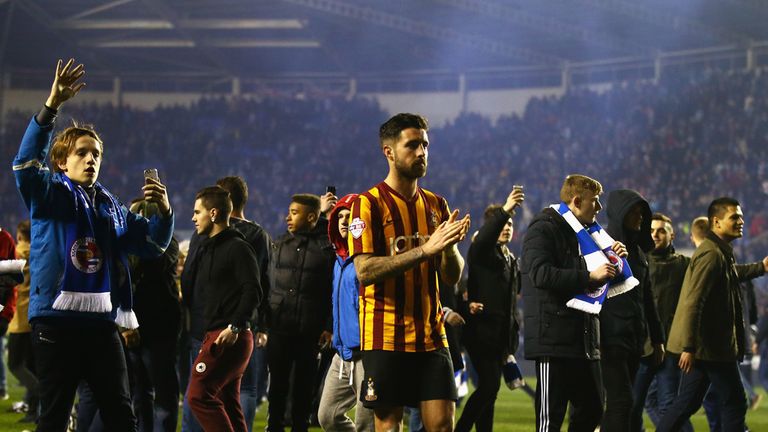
(151, 173)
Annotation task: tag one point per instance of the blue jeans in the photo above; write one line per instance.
(643, 381)
(253, 386)
(3, 381)
(711, 403)
(88, 418)
(155, 386)
(188, 421)
(725, 380)
(762, 372)
(662, 391)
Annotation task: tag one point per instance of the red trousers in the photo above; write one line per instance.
(214, 384)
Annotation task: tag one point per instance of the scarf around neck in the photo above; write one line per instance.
(86, 284)
(595, 247)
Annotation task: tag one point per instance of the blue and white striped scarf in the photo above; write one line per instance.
(595, 246)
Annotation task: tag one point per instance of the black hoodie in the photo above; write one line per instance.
(627, 319)
(226, 273)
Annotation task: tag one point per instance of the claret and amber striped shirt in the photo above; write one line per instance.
(401, 313)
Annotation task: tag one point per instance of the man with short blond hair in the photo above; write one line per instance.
(699, 230)
(563, 341)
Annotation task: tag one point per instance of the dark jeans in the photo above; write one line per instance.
(655, 389)
(762, 372)
(711, 403)
(725, 380)
(253, 386)
(286, 353)
(478, 410)
(21, 365)
(155, 384)
(564, 380)
(66, 353)
(188, 421)
(619, 367)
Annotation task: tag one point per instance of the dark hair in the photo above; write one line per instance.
(24, 229)
(576, 185)
(64, 143)
(719, 206)
(390, 130)
(238, 191)
(215, 197)
(661, 217)
(490, 210)
(310, 200)
(664, 218)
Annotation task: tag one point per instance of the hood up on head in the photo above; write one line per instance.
(620, 202)
(333, 227)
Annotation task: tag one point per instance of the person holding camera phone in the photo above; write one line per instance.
(491, 332)
(300, 308)
(82, 288)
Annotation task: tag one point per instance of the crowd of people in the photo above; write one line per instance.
(275, 295)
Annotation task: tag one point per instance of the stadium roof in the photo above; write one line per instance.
(258, 39)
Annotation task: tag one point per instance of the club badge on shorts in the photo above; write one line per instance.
(370, 394)
(86, 255)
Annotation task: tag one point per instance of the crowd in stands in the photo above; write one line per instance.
(680, 142)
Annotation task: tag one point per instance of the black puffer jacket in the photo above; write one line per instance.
(627, 319)
(494, 281)
(302, 277)
(552, 273)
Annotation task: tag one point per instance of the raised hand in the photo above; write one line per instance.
(514, 199)
(327, 202)
(155, 192)
(65, 84)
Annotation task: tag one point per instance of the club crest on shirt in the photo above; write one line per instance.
(433, 218)
(356, 227)
(370, 394)
(86, 255)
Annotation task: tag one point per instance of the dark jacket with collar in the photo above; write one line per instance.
(552, 272)
(494, 281)
(261, 243)
(302, 277)
(226, 273)
(667, 271)
(709, 322)
(626, 320)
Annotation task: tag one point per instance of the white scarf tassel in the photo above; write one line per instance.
(83, 302)
(126, 319)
